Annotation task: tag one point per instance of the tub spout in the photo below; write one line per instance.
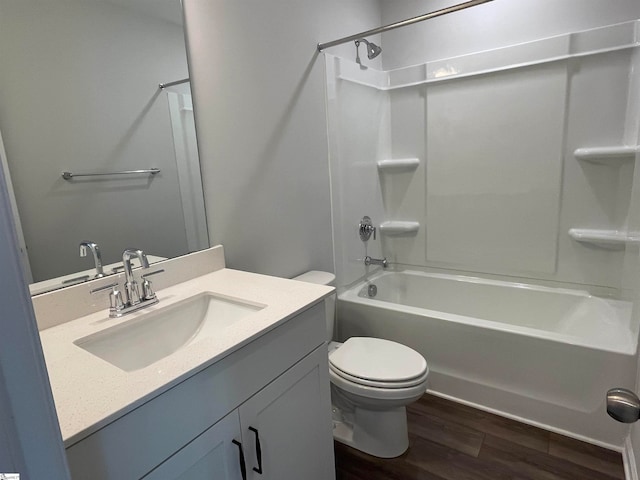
(376, 261)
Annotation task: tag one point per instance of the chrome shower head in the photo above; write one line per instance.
(373, 50)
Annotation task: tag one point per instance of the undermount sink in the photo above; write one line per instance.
(148, 338)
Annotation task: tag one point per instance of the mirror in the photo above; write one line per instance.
(79, 93)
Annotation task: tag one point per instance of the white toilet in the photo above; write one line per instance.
(372, 381)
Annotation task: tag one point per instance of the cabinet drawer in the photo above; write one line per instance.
(134, 444)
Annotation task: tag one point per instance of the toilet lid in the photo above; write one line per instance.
(384, 385)
(378, 360)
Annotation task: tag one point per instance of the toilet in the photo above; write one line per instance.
(372, 382)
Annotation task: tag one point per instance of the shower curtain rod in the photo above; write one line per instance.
(402, 23)
(162, 86)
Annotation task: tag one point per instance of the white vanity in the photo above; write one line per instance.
(251, 394)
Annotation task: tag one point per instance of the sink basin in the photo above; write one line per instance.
(148, 338)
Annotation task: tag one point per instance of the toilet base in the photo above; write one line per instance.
(382, 434)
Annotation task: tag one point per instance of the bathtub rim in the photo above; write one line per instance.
(350, 294)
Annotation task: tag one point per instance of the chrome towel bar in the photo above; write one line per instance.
(162, 86)
(69, 175)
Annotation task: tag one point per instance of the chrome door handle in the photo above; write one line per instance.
(623, 405)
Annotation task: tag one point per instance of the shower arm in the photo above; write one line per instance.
(402, 23)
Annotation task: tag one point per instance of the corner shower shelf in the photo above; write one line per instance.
(399, 228)
(613, 239)
(398, 165)
(607, 155)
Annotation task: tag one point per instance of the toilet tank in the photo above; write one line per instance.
(323, 278)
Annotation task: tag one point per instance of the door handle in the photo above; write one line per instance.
(258, 451)
(623, 405)
(243, 466)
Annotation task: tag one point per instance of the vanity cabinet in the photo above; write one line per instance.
(273, 391)
(288, 419)
(277, 430)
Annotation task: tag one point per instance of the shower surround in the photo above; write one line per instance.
(513, 165)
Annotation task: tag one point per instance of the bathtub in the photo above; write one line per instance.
(542, 355)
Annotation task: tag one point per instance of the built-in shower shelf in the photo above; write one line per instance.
(613, 239)
(607, 155)
(399, 228)
(398, 165)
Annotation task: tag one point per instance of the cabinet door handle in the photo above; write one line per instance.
(258, 451)
(243, 467)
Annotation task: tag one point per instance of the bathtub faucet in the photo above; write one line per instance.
(375, 261)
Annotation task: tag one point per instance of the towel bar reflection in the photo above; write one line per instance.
(150, 171)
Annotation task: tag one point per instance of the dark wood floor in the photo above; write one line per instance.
(449, 441)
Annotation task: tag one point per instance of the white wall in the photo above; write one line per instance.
(259, 91)
(491, 25)
(79, 92)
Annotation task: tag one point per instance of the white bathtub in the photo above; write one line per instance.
(543, 355)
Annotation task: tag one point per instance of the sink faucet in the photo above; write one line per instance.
(97, 257)
(131, 292)
(131, 301)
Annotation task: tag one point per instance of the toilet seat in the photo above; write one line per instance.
(404, 394)
(373, 383)
(378, 363)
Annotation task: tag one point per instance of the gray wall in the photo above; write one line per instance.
(259, 92)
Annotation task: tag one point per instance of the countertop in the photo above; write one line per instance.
(90, 393)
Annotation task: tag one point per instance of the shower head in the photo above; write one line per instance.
(373, 50)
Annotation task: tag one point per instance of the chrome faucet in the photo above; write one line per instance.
(131, 291)
(131, 301)
(375, 261)
(97, 257)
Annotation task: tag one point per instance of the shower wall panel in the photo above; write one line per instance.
(497, 186)
(359, 135)
(494, 164)
(403, 193)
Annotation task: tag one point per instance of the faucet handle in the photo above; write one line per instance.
(366, 228)
(147, 288)
(116, 304)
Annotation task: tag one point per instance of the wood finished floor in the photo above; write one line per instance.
(449, 441)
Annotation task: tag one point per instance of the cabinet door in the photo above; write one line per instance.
(291, 418)
(210, 456)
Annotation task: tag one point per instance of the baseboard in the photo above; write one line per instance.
(629, 461)
(537, 424)
(587, 425)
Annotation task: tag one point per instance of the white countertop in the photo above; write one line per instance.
(89, 392)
